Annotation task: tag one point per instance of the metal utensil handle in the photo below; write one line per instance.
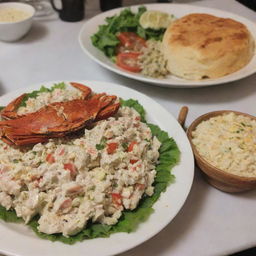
(183, 115)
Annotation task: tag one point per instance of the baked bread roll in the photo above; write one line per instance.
(199, 46)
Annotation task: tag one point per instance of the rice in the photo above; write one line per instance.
(152, 60)
(228, 142)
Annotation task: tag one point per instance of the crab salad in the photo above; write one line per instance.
(72, 181)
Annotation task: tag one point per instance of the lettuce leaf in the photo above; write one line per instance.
(134, 104)
(106, 40)
(130, 220)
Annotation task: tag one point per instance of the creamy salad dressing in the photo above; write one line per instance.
(93, 177)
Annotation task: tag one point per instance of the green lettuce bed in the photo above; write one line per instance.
(129, 221)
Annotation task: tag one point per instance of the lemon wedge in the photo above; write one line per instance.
(155, 20)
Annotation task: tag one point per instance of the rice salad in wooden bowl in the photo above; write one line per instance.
(224, 146)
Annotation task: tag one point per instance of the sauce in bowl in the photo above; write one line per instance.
(13, 15)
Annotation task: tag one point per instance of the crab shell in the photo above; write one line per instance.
(57, 119)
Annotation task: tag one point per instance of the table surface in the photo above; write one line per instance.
(211, 222)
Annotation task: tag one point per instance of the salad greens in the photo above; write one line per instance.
(127, 21)
(129, 221)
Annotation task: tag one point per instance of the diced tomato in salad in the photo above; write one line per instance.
(116, 198)
(111, 147)
(62, 152)
(70, 167)
(50, 158)
(133, 161)
(131, 146)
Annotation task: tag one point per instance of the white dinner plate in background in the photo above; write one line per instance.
(91, 27)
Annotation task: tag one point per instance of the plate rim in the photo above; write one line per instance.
(137, 95)
(166, 83)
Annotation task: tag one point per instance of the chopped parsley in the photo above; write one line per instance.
(102, 144)
(125, 145)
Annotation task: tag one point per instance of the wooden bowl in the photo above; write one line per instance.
(218, 178)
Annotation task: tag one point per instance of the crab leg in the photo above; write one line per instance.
(26, 141)
(10, 136)
(9, 112)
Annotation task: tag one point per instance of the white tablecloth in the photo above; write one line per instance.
(211, 222)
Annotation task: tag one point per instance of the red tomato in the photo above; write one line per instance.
(50, 159)
(70, 167)
(133, 161)
(62, 152)
(128, 61)
(111, 147)
(130, 41)
(130, 147)
(116, 198)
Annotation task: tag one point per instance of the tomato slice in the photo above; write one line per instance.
(130, 41)
(128, 61)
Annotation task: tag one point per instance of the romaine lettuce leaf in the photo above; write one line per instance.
(127, 21)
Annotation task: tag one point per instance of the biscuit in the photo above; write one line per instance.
(199, 46)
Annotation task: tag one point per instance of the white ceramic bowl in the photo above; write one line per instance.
(12, 31)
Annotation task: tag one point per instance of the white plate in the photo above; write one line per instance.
(17, 239)
(179, 10)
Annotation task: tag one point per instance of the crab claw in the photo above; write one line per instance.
(57, 119)
(108, 112)
(86, 91)
(9, 112)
